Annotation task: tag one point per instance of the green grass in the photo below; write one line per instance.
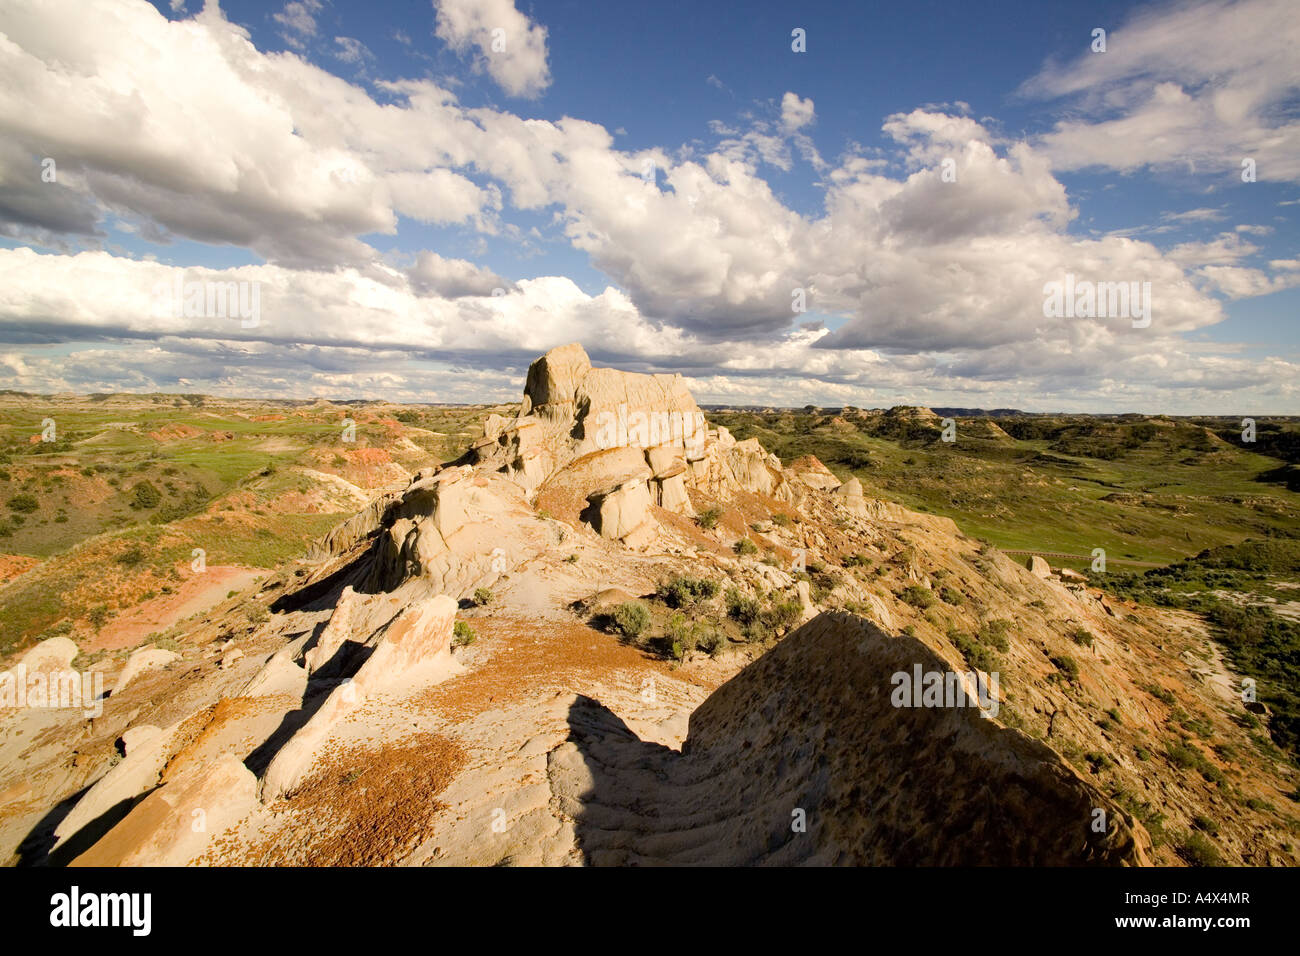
(1160, 499)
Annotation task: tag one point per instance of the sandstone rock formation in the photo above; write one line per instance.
(145, 659)
(595, 751)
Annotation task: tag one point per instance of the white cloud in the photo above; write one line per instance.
(352, 50)
(510, 46)
(299, 21)
(796, 113)
(1196, 87)
(940, 282)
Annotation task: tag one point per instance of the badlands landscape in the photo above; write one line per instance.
(605, 626)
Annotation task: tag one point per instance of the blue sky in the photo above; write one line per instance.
(469, 170)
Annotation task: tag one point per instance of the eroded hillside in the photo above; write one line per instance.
(612, 633)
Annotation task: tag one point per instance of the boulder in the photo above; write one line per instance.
(622, 509)
(50, 656)
(110, 797)
(553, 379)
(671, 495)
(804, 590)
(145, 659)
(419, 635)
(279, 675)
(814, 474)
(175, 824)
(1038, 567)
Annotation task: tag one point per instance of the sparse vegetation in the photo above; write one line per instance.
(681, 591)
(917, 596)
(631, 618)
(708, 518)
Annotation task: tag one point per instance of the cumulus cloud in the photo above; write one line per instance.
(453, 278)
(510, 46)
(796, 113)
(936, 281)
(1196, 86)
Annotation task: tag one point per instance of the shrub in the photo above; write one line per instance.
(994, 634)
(744, 610)
(857, 561)
(131, 558)
(745, 547)
(783, 615)
(680, 638)
(1081, 637)
(711, 642)
(462, 635)
(708, 518)
(781, 519)
(145, 495)
(1066, 665)
(952, 596)
(917, 596)
(482, 597)
(1187, 757)
(631, 618)
(23, 504)
(681, 591)
(1197, 850)
(977, 656)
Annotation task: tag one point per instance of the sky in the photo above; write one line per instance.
(789, 204)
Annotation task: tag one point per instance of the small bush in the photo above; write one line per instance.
(952, 596)
(131, 558)
(462, 635)
(145, 496)
(742, 609)
(708, 518)
(977, 656)
(783, 615)
(1081, 637)
(1067, 666)
(781, 519)
(681, 591)
(23, 504)
(482, 597)
(631, 618)
(1198, 851)
(917, 596)
(994, 634)
(711, 642)
(745, 547)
